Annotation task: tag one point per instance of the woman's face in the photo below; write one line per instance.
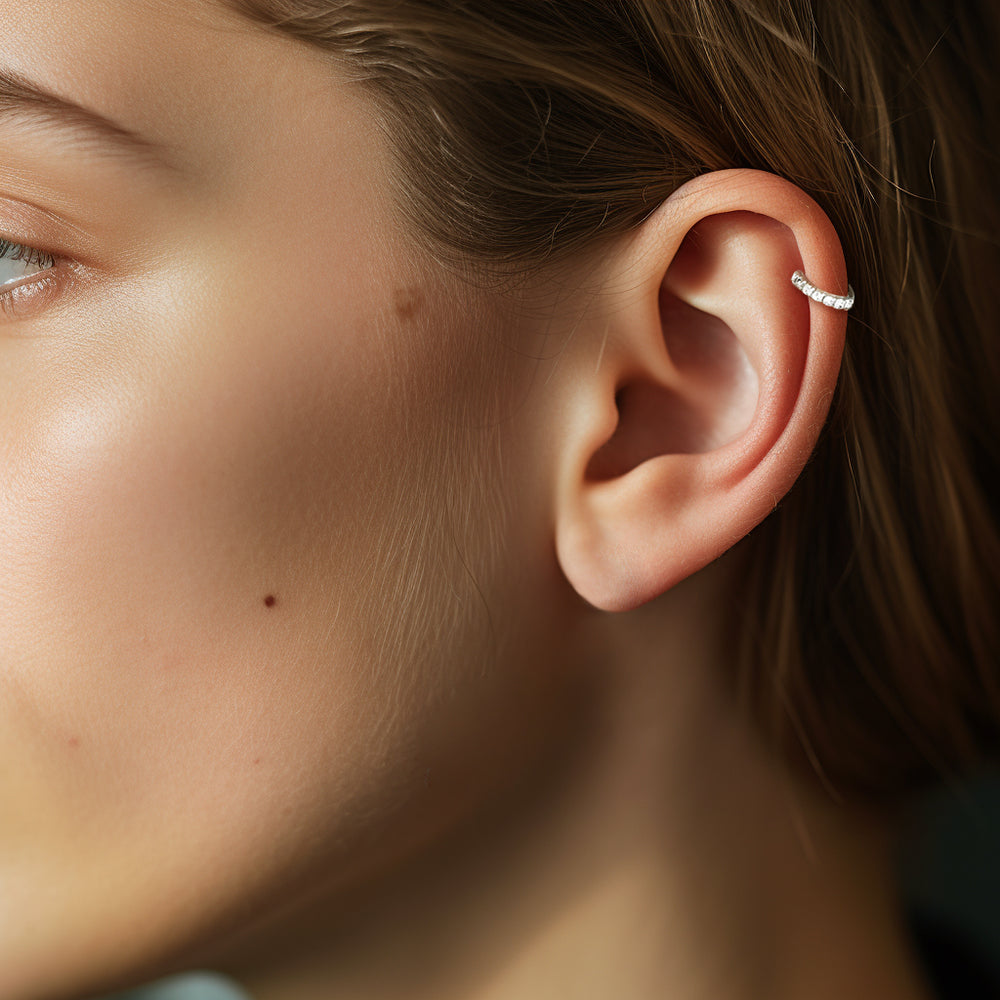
(247, 470)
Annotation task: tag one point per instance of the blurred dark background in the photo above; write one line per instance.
(950, 864)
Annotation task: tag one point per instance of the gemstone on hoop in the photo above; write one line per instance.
(802, 283)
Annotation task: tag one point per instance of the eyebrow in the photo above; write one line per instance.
(19, 96)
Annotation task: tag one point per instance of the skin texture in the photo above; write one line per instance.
(307, 670)
(173, 454)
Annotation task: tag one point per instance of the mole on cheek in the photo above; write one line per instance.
(407, 303)
(270, 601)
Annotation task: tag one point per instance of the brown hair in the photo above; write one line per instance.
(526, 130)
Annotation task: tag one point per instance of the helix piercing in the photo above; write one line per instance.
(823, 298)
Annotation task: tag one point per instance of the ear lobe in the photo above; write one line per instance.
(720, 380)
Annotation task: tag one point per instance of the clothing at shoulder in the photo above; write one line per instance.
(198, 986)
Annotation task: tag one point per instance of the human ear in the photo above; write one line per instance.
(714, 378)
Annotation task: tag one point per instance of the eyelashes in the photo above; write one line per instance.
(27, 279)
(18, 261)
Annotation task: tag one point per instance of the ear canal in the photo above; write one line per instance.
(706, 402)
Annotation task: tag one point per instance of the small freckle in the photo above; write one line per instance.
(257, 760)
(270, 601)
(74, 741)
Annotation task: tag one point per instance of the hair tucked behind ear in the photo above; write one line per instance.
(527, 130)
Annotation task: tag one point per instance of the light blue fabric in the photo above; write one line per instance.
(197, 986)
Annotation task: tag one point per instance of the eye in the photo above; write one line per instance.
(30, 279)
(18, 262)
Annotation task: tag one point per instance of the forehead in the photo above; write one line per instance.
(178, 71)
(119, 40)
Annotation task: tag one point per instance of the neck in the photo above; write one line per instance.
(675, 860)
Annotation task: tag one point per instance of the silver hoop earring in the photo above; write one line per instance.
(823, 298)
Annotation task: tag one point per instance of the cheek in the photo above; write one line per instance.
(153, 506)
(155, 501)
